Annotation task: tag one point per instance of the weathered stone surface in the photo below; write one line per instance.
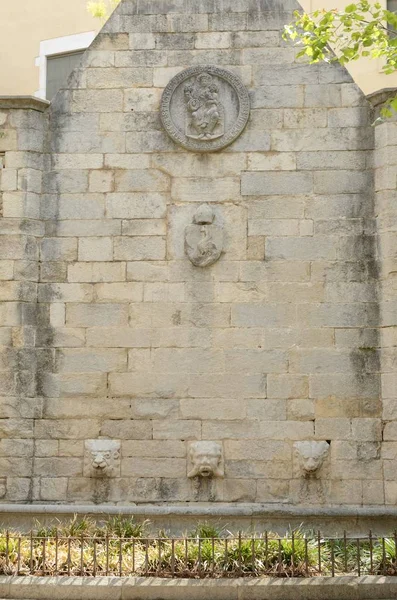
(112, 339)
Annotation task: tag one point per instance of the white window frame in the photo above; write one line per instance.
(60, 45)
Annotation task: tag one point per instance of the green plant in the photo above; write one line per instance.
(360, 30)
(125, 528)
(101, 9)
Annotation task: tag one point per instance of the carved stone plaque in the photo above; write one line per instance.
(205, 108)
(203, 239)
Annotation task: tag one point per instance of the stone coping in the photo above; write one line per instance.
(202, 510)
(380, 96)
(24, 103)
(154, 588)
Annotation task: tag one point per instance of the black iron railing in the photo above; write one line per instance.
(296, 555)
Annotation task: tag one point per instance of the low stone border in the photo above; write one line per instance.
(153, 588)
(215, 509)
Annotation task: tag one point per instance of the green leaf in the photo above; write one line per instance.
(351, 8)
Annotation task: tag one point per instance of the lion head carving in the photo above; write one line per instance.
(311, 456)
(206, 460)
(102, 458)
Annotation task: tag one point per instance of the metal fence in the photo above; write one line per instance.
(264, 555)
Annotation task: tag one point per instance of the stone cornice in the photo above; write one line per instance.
(380, 97)
(24, 103)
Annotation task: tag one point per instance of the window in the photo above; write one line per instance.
(58, 57)
(58, 70)
(392, 5)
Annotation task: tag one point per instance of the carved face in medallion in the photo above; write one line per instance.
(205, 108)
(102, 458)
(311, 456)
(205, 460)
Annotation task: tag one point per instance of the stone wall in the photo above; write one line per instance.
(276, 343)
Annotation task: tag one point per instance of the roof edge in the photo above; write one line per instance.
(24, 103)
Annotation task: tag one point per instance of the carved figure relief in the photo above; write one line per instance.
(203, 239)
(311, 456)
(205, 108)
(205, 459)
(205, 112)
(102, 458)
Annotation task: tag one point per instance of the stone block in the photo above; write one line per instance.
(323, 139)
(119, 292)
(153, 467)
(230, 385)
(177, 429)
(300, 409)
(332, 160)
(186, 23)
(136, 206)
(266, 410)
(353, 182)
(95, 249)
(142, 99)
(256, 247)
(319, 360)
(301, 248)
(118, 77)
(141, 41)
(94, 315)
(272, 490)
(255, 361)
(144, 227)
(257, 315)
(70, 206)
(73, 384)
(139, 248)
(274, 97)
(87, 360)
(97, 101)
(101, 181)
(287, 386)
(165, 292)
(149, 180)
(273, 227)
(63, 467)
(327, 95)
(221, 408)
(95, 272)
(175, 41)
(213, 40)
(194, 190)
(53, 488)
(153, 448)
(126, 161)
(344, 386)
(330, 429)
(58, 249)
(272, 161)
(280, 183)
(65, 292)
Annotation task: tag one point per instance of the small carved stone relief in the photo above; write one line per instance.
(102, 458)
(205, 119)
(205, 459)
(203, 239)
(205, 108)
(311, 456)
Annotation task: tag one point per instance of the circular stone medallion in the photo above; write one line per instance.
(205, 108)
